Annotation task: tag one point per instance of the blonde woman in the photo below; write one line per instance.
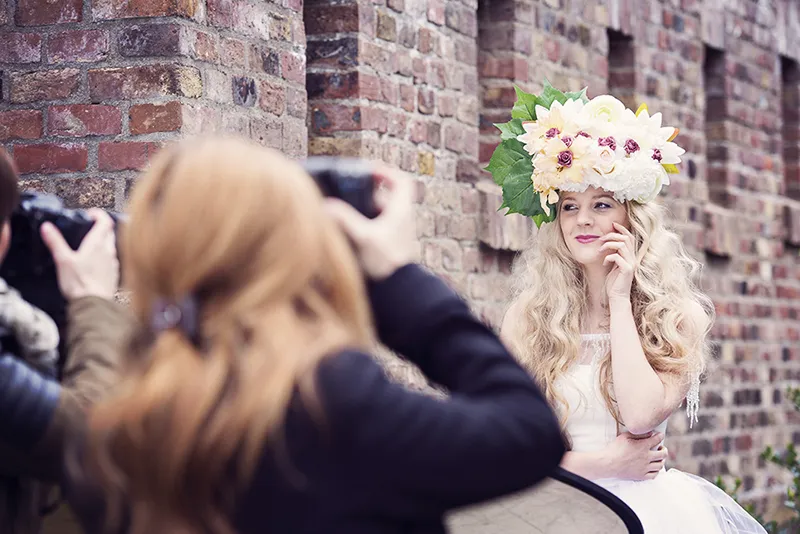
(249, 402)
(607, 314)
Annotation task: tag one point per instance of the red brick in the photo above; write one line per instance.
(436, 11)
(78, 45)
(204, 46)
(79, 120)
(296, 102)
(20, 124)
(427, 100)
(397, 124)
(125, 156)
(295, 139)
(152, 118)
(335, 117)
(44, 12)
(454, 138)
(298, 30)
(375, 119)
(418, 132)
(51, 158)
(325, 85)
(434, 134)
(233, 53)
(272, 97)
(322, 19)
(197, 120)
(43, 85)
(222, 13)
(369, 87)
(121, 9)
(268, 132)
(408, 97)
(148, 40)
(20, 47)
(447, 105)
(293, 67)
(144, 81)
(461, 18)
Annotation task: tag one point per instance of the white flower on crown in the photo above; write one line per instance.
(636, 177)
(651, 137)
(560, 119)
(604, 113)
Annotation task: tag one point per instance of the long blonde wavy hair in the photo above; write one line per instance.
(549, 304)
(241, 229)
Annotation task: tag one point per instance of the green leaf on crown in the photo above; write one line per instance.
(509, 159)
(578, 95)
(520, 197)
(525, 106)
(550, 94)
(510, 129)
(541, 218)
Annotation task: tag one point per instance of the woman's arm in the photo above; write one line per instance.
(645, 398)
(628, 457)
(494, 435)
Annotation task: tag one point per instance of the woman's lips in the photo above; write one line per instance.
(586, 238)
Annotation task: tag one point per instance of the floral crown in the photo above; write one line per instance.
(572, 143)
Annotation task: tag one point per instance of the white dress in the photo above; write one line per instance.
(672, 503)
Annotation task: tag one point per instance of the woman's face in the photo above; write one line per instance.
(584, 218)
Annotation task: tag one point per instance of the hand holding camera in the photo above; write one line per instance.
(389, 241)
(93, 269)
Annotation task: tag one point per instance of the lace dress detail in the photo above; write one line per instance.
(674, 502)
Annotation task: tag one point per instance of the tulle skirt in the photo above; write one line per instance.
(679, 503)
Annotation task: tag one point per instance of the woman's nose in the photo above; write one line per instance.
(585, 217)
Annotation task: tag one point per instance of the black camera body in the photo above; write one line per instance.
(349, 179)
(28, 267)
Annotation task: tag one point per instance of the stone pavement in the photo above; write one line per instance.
(551, 508)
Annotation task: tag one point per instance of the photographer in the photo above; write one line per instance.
(37, 413)
(249, 402)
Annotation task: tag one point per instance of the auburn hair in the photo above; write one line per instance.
(241, 230)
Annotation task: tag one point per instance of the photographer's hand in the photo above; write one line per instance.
(389, 241)
(93, 269)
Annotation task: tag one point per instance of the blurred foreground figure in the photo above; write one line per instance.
(43, 398)
(249, 401)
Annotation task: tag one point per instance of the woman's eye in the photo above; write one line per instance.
(568, 207)
(602, 206)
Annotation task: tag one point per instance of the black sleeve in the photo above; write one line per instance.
(494, 435)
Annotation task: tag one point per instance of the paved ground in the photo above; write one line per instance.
(552, 508)
(549, 509)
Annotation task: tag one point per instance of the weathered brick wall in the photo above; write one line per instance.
(90, 90)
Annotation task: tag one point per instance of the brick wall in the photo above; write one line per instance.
(89, 91)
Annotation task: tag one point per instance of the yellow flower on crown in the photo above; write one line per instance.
(562, 160)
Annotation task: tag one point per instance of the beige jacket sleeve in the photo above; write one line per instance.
(97, 330)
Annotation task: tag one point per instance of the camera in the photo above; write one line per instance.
(28, 267)
(348, 179)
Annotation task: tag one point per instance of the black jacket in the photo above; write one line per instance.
(388, 460)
